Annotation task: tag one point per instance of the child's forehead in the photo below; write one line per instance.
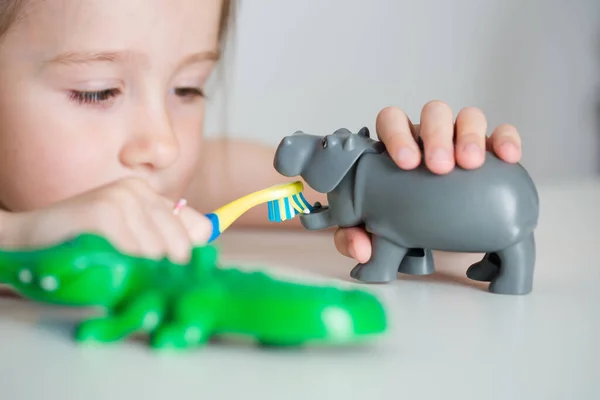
(185, 26)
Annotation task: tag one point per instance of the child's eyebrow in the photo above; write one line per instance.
(71, 58)
(85, 57)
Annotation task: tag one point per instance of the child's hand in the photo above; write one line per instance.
(128, 213)
(437, 132)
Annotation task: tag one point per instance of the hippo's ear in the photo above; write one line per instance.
(364, 132)
(330, 165)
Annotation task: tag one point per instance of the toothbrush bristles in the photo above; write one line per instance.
(288, 207)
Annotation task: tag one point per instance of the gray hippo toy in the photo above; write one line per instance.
(493, 209)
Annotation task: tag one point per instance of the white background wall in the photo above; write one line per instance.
(318, 65)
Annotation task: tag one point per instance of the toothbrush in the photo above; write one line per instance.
(284, 201)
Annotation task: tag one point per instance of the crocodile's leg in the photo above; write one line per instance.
(192, 321)
(140, 314)
(180, 335)
(383, 265)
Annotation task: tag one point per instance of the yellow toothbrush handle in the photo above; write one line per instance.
(224, 216)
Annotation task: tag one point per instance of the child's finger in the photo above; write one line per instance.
(471, 127)
(143, 231)
(437, 133)
(199, 228)
(159, 234)
(505, 142)
(120, 215)
(174, 234)
(353, 242)
(394, 129)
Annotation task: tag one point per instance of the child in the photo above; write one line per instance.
(101, 113)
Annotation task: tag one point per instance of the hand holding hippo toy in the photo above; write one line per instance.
(492, 208)
(445, 144)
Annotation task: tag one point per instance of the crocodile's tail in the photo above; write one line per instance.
(276, 196)
(5, 270)
(9, 261)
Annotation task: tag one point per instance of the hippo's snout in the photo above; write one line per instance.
(282, 162)
(292, 155)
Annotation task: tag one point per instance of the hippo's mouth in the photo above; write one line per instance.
(316, 208)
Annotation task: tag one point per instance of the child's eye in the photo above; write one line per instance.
(189, 92)
(94, 96)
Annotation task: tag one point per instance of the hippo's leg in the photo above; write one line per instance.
(517, 262)
(417, 262)
(486, 269)
(383, 265)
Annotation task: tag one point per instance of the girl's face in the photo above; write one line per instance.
(92, 91)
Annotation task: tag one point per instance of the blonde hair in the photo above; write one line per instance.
(11, 10)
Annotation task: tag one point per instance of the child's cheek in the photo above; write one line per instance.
(38, 168)
(187, 167)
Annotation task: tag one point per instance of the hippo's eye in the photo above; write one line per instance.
(324, 142)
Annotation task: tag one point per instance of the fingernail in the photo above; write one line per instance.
(472, 148)
(508, 146)
(351, 251)
(510, 150)
(441, 156)
(404, 154)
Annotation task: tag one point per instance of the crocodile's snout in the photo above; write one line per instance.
(47, 283)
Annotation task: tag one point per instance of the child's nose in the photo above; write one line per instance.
(153, 145)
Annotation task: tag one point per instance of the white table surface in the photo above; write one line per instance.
(449, 337)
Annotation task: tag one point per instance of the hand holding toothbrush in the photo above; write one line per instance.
(127, 212)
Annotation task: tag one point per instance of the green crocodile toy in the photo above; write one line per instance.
(183, 306)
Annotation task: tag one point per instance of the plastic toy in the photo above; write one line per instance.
(183, 306)
(493, 209)
(284, 201)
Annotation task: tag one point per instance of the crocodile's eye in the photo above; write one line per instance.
(25, 276)
(324, 142)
